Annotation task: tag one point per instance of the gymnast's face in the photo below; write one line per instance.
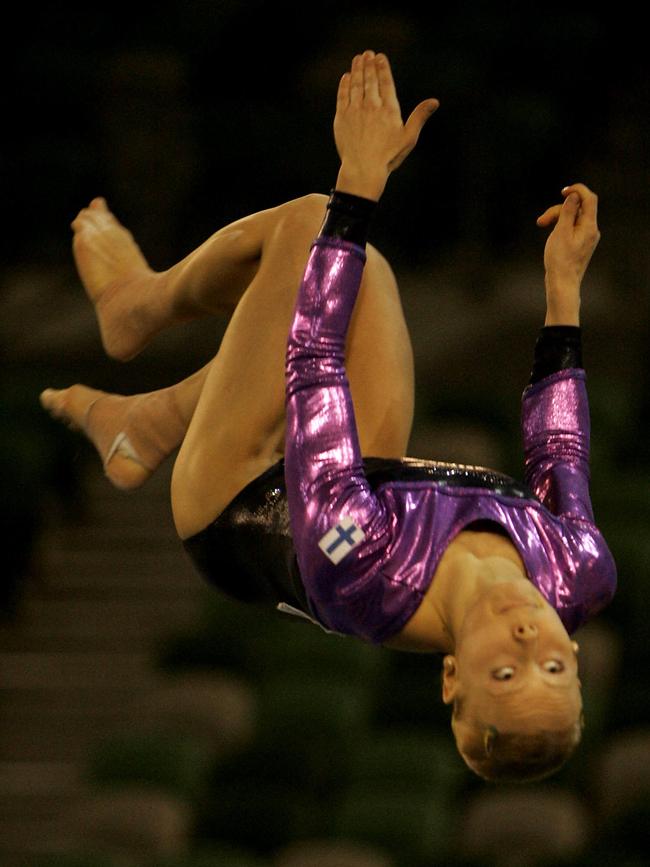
(515, 666)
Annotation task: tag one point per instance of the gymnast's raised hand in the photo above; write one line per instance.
(371, 138)
(568, 251)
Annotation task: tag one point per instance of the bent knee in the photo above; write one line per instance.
(302, 217)
(305, 208)
(308, 213)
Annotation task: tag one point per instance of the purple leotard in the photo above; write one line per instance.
(367, 558)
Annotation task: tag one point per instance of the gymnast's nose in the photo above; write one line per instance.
(524, 631)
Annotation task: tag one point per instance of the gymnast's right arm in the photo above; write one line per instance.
(555, 413)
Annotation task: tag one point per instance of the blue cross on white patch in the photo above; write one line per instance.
(341, 539)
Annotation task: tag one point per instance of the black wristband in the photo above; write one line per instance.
(558, 347)
(348, 217)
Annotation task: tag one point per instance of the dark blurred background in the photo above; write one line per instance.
(186, 116)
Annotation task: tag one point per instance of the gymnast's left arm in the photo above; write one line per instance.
(331, 506)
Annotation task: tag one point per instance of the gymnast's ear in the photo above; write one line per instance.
(449, 679)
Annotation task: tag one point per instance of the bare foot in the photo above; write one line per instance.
(126, 292)
(133, 435)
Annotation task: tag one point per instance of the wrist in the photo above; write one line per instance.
(553, 319)
(556, 349)
(348, 217)
(562, 314)
(361, 182)
(562, 301)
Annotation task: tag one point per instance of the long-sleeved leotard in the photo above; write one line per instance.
(368, 557)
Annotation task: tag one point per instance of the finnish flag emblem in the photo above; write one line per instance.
(341, 539)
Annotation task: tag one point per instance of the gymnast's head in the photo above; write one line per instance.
(513, 685)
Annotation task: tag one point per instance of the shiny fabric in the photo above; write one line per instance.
(248, 553)
(405, 526)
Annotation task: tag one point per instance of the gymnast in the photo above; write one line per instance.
(290, 487)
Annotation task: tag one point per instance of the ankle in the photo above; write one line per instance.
(175, 302)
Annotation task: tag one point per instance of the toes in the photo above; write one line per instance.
(54, 401)
(81, 220)
(48, 399)
(96, 207)
(63, 405)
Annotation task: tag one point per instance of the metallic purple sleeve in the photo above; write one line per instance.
(555, 427)
(327, 491)
(575, 571)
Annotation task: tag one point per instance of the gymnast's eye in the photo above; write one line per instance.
(503, 673)
(554, 666)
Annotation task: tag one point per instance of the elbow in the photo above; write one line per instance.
(607, 583)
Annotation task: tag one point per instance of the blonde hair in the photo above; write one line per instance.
(516, 757)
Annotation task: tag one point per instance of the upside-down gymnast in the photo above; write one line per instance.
(290, 487)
